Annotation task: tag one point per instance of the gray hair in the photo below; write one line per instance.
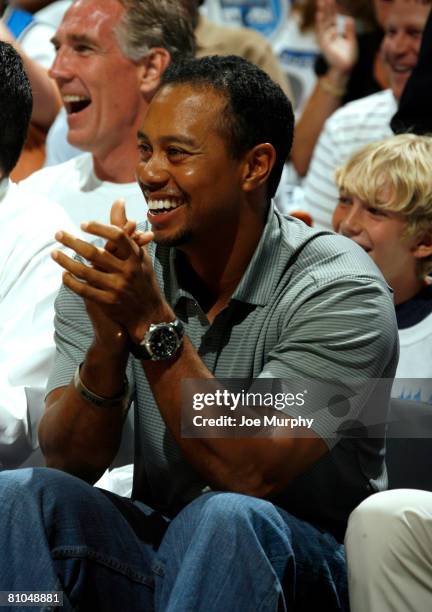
(155, 23)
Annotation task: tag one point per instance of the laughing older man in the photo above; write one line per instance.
(110, 57)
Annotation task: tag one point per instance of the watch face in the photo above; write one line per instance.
(163, 343)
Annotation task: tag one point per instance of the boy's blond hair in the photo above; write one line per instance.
(395, 174)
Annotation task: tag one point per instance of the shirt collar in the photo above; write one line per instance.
(177, 291)
(257, 283)
(87, 177)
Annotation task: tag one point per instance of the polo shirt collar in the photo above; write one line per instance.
(257, 283)
(177, 291)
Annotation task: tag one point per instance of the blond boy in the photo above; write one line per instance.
(385, 206)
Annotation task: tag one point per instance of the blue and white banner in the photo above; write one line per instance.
(265, 16)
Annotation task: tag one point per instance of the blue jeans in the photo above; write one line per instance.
(223, 552)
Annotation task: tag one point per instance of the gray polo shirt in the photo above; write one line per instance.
(310, 305)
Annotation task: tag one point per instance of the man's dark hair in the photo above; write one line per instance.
(15, 107)
(257, 110)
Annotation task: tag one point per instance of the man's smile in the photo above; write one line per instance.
(75, 103)
(159, 206)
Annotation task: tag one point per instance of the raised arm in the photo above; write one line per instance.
(340, 52)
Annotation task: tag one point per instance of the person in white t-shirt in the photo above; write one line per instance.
(109, 59)
(385, 206)
(29, 279)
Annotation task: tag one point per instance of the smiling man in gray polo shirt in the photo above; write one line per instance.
(222, 287)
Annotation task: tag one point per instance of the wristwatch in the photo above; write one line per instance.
(161, 341)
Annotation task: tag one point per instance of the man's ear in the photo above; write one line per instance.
(152, 67)
(423, 246)
(259, 162)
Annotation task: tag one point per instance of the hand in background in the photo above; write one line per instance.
(338, 47)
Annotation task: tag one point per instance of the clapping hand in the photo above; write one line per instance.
(118, 283)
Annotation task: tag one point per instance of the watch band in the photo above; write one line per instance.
(97, 400)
